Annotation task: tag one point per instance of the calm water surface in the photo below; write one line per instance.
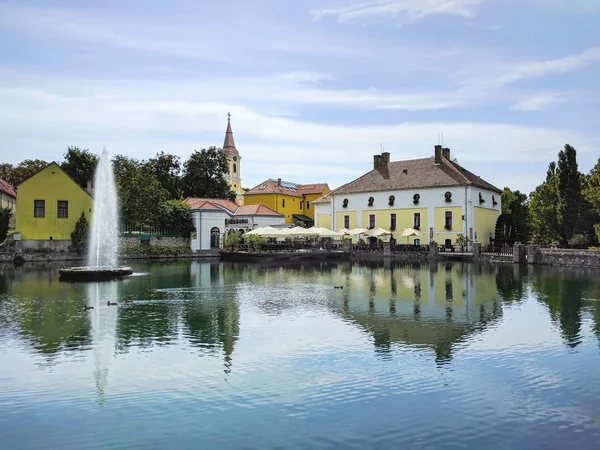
(210, 355)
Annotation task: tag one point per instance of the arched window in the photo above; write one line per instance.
(234, 167)
(215, 238)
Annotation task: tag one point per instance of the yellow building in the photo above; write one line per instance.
(235, 161)
(290, 199)
(435, 195)
(50, 202)
(8, 199)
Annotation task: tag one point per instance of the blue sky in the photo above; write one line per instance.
(314, 87)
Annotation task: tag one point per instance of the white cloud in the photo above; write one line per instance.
(537, 102)
(411, 9)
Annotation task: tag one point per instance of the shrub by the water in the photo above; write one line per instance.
(79, 236)
(5, 215)
(168, 250)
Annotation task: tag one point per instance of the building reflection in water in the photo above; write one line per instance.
(433, 306)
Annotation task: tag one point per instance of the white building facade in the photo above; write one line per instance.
(434, 195)
(213, 218)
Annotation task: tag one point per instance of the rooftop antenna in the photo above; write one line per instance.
(381, 147)
(442, 139)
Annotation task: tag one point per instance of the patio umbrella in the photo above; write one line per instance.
(268, 232)
(299, 231)
(356, 231)
(410, 232)
(327, 233)
(344, 231)
(378, 232)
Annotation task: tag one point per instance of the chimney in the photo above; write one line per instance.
(385, 158)
(89, 188)
(279, 182)
(446, 153)
(377, 161)
(438, 154)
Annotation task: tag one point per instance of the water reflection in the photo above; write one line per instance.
(432, 306)
(104, 319)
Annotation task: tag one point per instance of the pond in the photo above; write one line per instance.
(219, 355)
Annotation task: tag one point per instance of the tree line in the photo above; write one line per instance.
(564, 210)
(151, 191)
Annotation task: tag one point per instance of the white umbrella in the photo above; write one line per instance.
(410, 232)
(355, 231)
(255, 232)
(378, 232)
(299, 231)
(268, 232)
(344, 231)
(327, 233)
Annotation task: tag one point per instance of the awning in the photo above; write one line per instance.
(302, 218)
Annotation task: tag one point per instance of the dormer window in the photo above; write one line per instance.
(371, 200)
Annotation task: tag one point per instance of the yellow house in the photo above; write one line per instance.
(290, 199)
(50, 202)
(435, 195)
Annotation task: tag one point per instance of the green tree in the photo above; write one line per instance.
(176, 215)
(26, 169)
(7, 173)
(592, 187)
(80, 165)
(167, 169)
(5, 215)
(570, 199)
(543, 210)
(141, 197)
(204, 175)
(79, 236)
(516, 204)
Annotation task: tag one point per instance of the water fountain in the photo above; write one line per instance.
(103, 240)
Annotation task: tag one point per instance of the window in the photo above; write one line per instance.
(283, 203)
(371, 221)
(417, 221)
(307, 205)
(392, 221)
(234, 167)
(448, 243)
(448, 221)
(417, 241)
(301, 204)
(39, 208)
(346, 222)
(62, 209)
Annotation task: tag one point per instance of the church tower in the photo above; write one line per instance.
(234, 158)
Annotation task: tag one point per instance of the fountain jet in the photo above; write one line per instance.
(103, 240)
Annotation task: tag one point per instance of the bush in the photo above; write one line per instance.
(5, 215)
(579, 241)
(79, 236)
(233, 239)
(254, 241)
(168, 250)
(175, 215)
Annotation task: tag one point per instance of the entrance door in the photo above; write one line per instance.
(215, 238)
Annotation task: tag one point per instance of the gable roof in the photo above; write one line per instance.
(63, 171)
(415, 174)
(316, 188)
(272, 186)
(327, 197)
(7, 188)
(230, 207)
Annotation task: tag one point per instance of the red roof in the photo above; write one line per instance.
(271, 186)
(231, 207)
(7, 188)
(229, 145)
(256, 210)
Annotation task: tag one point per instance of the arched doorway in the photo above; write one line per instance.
(215, 235)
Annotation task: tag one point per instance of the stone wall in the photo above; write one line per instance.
(172, 241)
(569, 258)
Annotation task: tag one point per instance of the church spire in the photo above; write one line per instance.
(229, 145)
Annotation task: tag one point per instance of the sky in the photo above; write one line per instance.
(314, 88)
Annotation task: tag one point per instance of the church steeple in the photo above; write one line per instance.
(229, 145)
